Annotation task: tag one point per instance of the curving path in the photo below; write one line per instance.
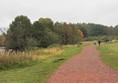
(84, 68)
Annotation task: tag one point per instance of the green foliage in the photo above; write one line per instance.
(101, 38)
(42, 31)
(23, 35)
(91, 38)
(19, 33)
(106, 39)
(115, 31)
(91, 29)
(48, 39)
(32, 43)
(46, 33)
(67, 33)
(46, 22)
(84, 28)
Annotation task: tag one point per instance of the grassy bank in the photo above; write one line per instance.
(109, 54)
(39, 72)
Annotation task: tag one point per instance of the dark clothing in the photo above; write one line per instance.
(99, 42)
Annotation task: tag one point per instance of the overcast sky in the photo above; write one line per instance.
(92, 11)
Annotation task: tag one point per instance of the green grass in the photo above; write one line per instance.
(109, 54)
(39, 72)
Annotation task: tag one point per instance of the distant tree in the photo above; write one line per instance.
(84, 28)
(75, 34)
(92, 29)
(19, 33)
(115, 30)
(98, 30)
(67, 33)
(81, 34)
(110, 31)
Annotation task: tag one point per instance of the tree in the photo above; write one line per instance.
(43, 32)
(115, 30)
(92, 29)
(84, 28)
(19, 33)
(59, 31)
(98, 30)
(67, 33)
(46, 22)
(80, 34)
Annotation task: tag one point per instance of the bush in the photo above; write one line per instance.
(90, 38)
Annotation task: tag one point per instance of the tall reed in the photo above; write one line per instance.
(12, 59)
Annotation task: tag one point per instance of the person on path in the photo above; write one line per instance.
(99, 42)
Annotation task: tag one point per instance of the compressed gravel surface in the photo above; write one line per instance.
(84, 68)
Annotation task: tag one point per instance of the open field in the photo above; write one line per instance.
(42, 69)
(109, 54)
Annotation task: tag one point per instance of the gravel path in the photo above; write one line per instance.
(84, 68)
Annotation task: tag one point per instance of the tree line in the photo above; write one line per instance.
(22, 34)
(93, 31)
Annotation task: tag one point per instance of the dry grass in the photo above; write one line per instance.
(47, 53)
(12, 59)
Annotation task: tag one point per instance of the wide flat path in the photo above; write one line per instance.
(84, 68)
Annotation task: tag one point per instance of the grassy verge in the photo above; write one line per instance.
(39, 72)
(109, 54)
